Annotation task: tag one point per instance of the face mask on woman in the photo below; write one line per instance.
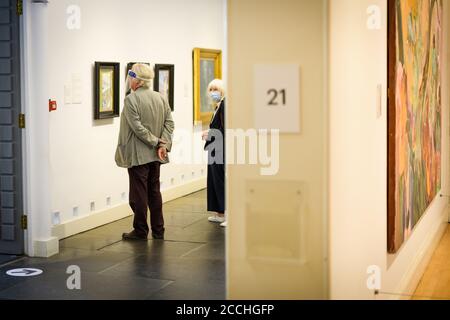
(216, 96)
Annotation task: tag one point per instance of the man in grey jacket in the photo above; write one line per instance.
(145, 137)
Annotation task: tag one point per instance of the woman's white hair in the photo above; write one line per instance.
(218, 85)
(144, 73)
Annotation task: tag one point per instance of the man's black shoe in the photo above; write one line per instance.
(133, 236)
(158, 236)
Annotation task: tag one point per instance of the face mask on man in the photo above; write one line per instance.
(216, 96)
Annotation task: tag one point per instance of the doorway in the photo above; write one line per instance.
(11, 204)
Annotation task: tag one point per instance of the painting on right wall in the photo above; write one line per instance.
(415, 42)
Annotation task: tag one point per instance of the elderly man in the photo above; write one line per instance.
(145, 137)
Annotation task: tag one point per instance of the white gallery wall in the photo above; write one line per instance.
(84, 178)
(358, 161)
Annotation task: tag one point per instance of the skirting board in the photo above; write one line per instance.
(47, 248)
(101, 218)
(411, 280)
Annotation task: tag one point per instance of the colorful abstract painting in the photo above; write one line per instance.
(414, 114)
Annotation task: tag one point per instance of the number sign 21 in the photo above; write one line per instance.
(274, 99)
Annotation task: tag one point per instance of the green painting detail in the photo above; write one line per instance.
(207, 74)
(417, 112)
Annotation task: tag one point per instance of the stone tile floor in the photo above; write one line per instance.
(188, 265)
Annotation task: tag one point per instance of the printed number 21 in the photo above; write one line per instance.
(273, 94)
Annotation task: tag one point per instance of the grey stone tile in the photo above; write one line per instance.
(204, 225)
(7, 258)
(199, 208)
(52, 286)
(88, 262)
(7, 281)
(208, 251)
(113, 231)
(153, 248)
(90, 242)
(188, 264)
(177, 219)
(175, 269)
(192, 290)
(196, 236)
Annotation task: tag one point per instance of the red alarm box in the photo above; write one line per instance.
(52, 105)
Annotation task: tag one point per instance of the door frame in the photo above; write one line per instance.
(39, 241)
(24, 72)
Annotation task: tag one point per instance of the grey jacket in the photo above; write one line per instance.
(146, 118)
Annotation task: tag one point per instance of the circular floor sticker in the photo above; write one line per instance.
(24, 272)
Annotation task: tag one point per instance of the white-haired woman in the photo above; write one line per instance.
(145, 137)
(215, 145)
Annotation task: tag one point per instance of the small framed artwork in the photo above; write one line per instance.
(164, 81)
(207, 67)
(107, 86)
(129, 66)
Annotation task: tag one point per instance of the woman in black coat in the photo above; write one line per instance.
(215, 145)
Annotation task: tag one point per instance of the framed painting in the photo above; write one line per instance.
(164, 82)
(107, 86)
(207, 67)
(415, 43)
(129, 66)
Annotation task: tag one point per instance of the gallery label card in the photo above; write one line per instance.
(277, 97)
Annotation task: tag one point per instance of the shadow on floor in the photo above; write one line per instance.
(4, 258)
(188, 265)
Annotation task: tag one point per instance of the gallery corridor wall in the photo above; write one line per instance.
(358, 160)
(84, 179)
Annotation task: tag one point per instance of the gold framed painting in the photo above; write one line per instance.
(207, 67)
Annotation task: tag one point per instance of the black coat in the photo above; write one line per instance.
(216, 165)
(217, 124)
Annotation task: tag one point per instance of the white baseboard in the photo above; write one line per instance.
(46, 248)
(183, 190)
(411, 279)
(91, 221)
(100, 218)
